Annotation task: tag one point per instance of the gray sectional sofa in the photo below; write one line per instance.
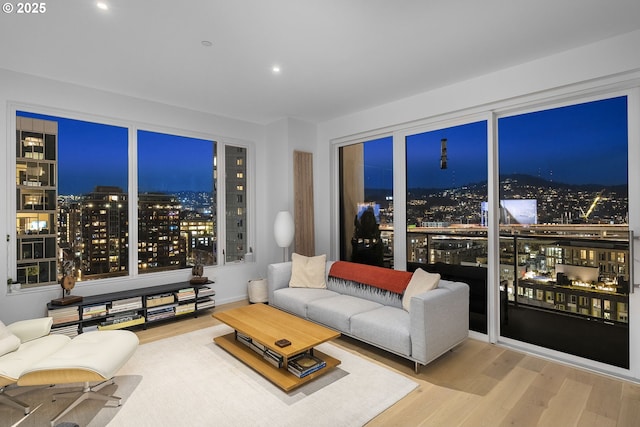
(436, 321)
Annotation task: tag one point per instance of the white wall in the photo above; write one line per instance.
(606, 58)
(283, 138)
(46, 94)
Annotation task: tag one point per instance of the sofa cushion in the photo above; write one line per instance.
(8, 341)
(386, 327)
(295, 300)
(421, 281)
(308, 272)
(336, 312)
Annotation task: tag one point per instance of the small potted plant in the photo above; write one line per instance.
(12, 286)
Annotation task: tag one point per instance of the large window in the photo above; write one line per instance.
(366, 202)
(176, 202)
(446, 215)
(564, 229)
(73, 204)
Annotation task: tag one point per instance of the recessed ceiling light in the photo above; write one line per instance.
(275, 69)
(102, 5)
(206, 43)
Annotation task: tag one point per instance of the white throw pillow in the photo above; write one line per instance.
(8, 341)
(420, 282)
(308, 272)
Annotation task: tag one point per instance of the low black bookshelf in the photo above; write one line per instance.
(134, 307)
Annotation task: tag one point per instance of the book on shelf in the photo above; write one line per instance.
(186, 294)
(64, 315)
(185, 308)
(162, 308)
(206, 291)
(161, 312)
(62, 311)
(161, 316)
(160, 299)
(94, 308)
(206, 303)
(122, 322)
(126, 301)
(92, 311)
(127, 304)
(305, 364)
(274, 358)
(253, 345)
(269, 355)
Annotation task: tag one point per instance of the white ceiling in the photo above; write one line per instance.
(337, 56)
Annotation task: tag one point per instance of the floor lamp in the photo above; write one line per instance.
(283, 230)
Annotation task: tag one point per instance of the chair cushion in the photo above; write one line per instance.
(12, 365)
(8, 341)
(91, 356)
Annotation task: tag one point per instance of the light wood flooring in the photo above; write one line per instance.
(479, 384)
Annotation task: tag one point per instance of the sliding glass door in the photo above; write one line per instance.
(564, 233)
(446, 209)
(528, 205)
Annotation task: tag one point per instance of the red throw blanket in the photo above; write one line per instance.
(379, 277)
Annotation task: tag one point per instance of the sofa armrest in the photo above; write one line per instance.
(278, 276)
(439, 320)
(31, 329)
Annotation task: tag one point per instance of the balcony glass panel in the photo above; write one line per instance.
(564, 246)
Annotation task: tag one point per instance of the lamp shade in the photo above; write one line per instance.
(283, 229)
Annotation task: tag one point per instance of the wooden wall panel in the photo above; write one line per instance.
(303, 199)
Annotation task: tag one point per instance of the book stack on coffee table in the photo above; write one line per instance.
(304, 364)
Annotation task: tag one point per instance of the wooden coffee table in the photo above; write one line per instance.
(265, 325)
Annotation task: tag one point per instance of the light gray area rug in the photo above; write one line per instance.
(189, 380)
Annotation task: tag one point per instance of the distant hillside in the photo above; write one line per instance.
(518, 181)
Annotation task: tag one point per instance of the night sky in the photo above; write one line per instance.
(579, 144)
(169, 163)
(92, 154)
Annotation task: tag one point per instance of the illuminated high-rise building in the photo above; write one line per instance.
(236, 203)
(36, 201)
(105, 232)
(160, 246)
(198, 230)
